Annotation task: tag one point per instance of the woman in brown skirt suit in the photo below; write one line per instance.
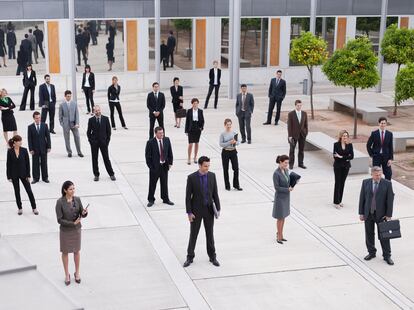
(69, 211)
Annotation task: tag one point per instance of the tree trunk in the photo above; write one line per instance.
(355, 113)
(311, 91)
(176, 44)
(189, 44)
(395, 100)
(255, 34)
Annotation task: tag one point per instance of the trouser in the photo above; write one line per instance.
(85, 59)
(216, 92)
(381, 161)
(170, 58)
(244, 124)
(161, 173)
(34, 51)
(93, 37)
(28, 189)
(227, 156)
(340, 176)
(95, 147)
(370, 222)
(24, 98)
(301, 141)
(89, 98)
(272, 102)
(112, 106)
(12, 51)
(40, 46)
(66, 135)
(208, 219)
(164, 62)
(39, 161)
(51, 109)
(19, 69)
(160, 120)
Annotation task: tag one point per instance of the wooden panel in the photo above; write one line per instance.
(53, 46)
(341, 32)
(201, 26)
(132, 45)
(404, 22)
(274, 41)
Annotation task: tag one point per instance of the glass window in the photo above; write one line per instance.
(297, 25)
(253, 42)
(224, 43)
(325, 28)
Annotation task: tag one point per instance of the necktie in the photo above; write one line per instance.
(38, 128)
(161, 152)
(374, 194)
(277, 82)
(98, 121)
(382, 137)
(156, 96)
(244, 102)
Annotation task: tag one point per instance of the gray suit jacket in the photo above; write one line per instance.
(68, 115)
(249, 104)
(281, 204)
(384, 199)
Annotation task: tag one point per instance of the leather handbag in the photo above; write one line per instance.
(181, 113)
(389, 230)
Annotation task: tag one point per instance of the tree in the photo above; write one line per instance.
(309, 50)
(397, 47)
(246, 25)
(184, 25)
(354, 66)
(404, 84)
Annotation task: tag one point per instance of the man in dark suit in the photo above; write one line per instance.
(29, 83)
(99, 135)
(21, 62)
(277, 92)
(81, 47)
(155, 105)
(39, 39)
(26, 48)
(297, 124)
(244, 111)
(11, 44)
(380, 148)
(164, 55)
(171, 43)
(159, 159)
(201, 194)
(39, 145)
(47, 101)
(214, 76)
(376, 204)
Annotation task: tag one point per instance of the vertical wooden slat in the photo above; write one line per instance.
(201, 27)
(341, 32)
(53, 46)
(132, 45)
(404, 22)
(274, 41)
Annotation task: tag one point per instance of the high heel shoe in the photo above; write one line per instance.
(188, 162)
(279, 241)
(77, 280)
(67, 282)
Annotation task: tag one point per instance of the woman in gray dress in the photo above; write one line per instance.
(281, 205)
(69, 211)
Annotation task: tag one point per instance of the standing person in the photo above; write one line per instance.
(33, 41)
(112, 31)
(92, 28)
(281, 204)
(99, 136)
(164, 55)
(297, 132)
(22, 61)
(88, 87)
(159, 159)
(177, 99)
(39, 145)
(87, 39)
(69, 213)
(3, 51)
(376, 205)
(29, 83)
(380, 148)
(110, 53)
(244, 111)
(39, 39)
(69, 120)
(277, 92)
(113, 98)
(11, 44)
(81, 47)
(228, 141)
(202, 204)
(343, 153)
(7, 115)
(214, 76)
(47, 101)
(155, 105)
(18, 169)
(26, 48)
(194, 125)
(171, 43)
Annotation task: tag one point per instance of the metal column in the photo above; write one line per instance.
(312, 22)
(230, 54)
(236, 47)
(383, 25)
(157, 15)
(71, 11)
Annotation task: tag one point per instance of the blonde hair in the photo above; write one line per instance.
(341, 133)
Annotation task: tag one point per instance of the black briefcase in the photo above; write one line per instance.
(389, 230)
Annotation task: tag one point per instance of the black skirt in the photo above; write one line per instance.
(195, 133)
(9, 122)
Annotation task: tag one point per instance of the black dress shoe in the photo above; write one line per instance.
(276, 124)
(389, 261)
(80, 155)
(150, 204)
(187, 263)
(249, 142)
(169, 202)
(266, 123)
(96, 178)
(243, 141)
(46, 181)
(113, 178)
(70, 155)
(279, 241)
(227, 188)
(302, 166)
(214, 262)
(238, 188)
(369, 256)
(34, 181)
(52, 131)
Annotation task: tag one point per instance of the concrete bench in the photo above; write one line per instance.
(367, 111)
(400, 139)
(243, 62)
(321, 141)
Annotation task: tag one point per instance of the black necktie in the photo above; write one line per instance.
(38, 128)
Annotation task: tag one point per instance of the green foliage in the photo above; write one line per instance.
(183, 24)
(250, 23)
(404, 86)
(368, 24)
(397, 45)
(309, 50)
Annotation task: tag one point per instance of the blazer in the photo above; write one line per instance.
(39, 142)
(176, 94)
(164, 51)
(68, 115)
(281, 186)
(152, 153)
(155, 105)
(296, 130)
(113, 93)
(80, 41)
(384, 199)
(44, 99)
(171, 43)
(26, 46)
(347, 155)
(91, 80)
(29, 81)
(18, 167)
(194, 194)
(99, 134)
(374, 145)
(66, 215)
(249, 104)
(39, 35)
(277, 91)
(211, 76)
(11, 39)
(189, 120)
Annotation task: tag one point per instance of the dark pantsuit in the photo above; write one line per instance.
(95, 147)
(227, 156)
(160, 173)
(12, 52)
(170, 58)
(112, 106)
(89, 98)
(40, 46)
(164, 62)
(28, 189)
(51, 110)
(83, 55)
(244, 124)
(24, 99)
(370, 237)
(208, 220)
(340, 176)
(380, 161)
(160, 120)
(210, 90)
(272, 102)
(39, 161)
(301, 142)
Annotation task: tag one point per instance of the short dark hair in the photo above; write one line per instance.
(171, 32)
(65, 187)
(155, 83)
(158, 128)
(46, 75)
(79, 30)
(281, 158)
(194, 100)
(203, 159)
(30, 30)
(175, 79)
(26, 35)
(36, 26)
(36, 113)
(227, 120)
(243, 85)
(298, 101)
(29, 65)
(68, 92)
(279, 71)
(382, 118)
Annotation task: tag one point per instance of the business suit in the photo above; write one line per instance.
(155, 104)
(381, 150)
(244, 111)
(22, 61)
(200, 204)
(374, 206)
(47, 101)
(276, 94)
(81, 47)
(213, 85)
(88, 90)
(157, 168)
(114, 102)
(281, 203)
(341, 168)
(194, 128)
(18, 168)
(26, 48)
(171, 43)
(29, 83)
(11, 44)
(176, 93)
(164, 56)
(39, 143)
(99, 135)
(298, 131)
(68, 119)
(39, 38)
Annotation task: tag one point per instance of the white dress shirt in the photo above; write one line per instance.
(87, 80)
(380, 132)
(299, 115)
(29, 73)
(49, 90)
(195, 115)
(215, 76)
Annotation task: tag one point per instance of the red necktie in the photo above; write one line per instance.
(161, 152)
(382, 137)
